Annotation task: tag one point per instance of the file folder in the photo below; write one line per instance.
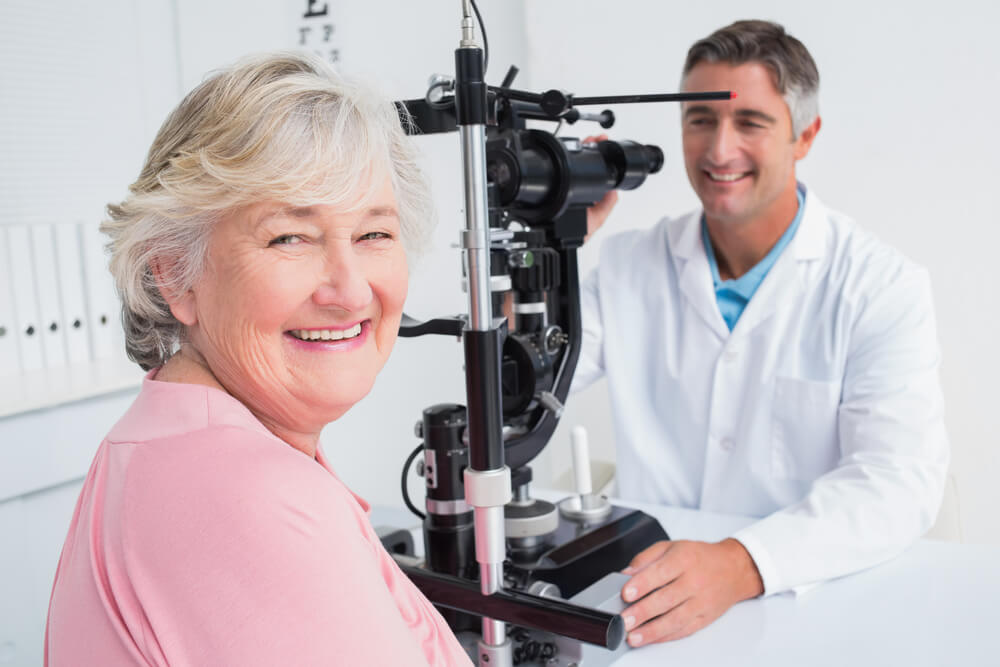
(102, 302)
(53, 329)
(10, 364)
(69, 266)
(29, 338)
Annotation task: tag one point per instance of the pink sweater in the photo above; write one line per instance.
(202, 539)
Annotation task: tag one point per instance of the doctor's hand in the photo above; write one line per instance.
(678, 588)
(599, 212)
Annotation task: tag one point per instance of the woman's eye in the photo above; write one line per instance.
(374, 236)
(286, 239)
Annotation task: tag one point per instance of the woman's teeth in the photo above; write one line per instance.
(327, 334)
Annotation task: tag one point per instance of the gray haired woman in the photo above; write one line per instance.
(261, 259)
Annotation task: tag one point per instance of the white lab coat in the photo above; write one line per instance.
(821, 412)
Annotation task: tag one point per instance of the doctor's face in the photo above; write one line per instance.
(739, 154)
(298, 307)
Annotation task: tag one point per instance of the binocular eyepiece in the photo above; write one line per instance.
(538, 175)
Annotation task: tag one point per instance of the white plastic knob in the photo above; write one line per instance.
(581, 461)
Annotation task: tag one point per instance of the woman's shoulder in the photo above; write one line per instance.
(179, 436)
(253, 544)
(224, 490)
(226, 469)
(169, 409)
(200, 479)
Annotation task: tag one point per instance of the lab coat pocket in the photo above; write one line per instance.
(804, 442)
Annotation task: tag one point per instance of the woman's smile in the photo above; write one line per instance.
(331, 339)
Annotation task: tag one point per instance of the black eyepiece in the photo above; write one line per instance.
(538, 176)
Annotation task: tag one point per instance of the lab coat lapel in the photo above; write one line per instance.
(787, 278)
(781, 285)
(695, 275)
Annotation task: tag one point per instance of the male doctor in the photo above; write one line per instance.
(765, 356)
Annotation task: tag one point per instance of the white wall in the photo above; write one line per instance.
(84, 89)
(909, 143)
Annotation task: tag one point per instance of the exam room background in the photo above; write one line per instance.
(909, 147)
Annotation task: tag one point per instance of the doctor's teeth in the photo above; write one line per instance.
(327, 334)
(726, 177)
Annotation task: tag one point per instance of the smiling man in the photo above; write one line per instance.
(765, 357)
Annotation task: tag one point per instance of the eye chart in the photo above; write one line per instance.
(315, 28)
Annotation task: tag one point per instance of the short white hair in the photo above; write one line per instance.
(276, 126)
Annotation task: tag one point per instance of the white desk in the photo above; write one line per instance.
(935, 605)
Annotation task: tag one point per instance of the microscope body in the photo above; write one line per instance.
(555, 551)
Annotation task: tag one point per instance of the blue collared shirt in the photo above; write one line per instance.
(734, 295)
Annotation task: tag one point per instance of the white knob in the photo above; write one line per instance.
(581, 461)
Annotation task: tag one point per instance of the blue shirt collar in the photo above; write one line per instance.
(748, 283)
(733, 296)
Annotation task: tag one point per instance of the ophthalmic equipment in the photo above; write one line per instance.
(522, 581)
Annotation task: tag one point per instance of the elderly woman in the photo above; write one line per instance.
(261, 260)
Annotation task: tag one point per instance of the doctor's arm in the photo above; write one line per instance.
(590, 364)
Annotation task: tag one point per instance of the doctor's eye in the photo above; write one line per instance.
(701, 121)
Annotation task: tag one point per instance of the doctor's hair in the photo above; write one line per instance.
(279, 127)
(792, 68)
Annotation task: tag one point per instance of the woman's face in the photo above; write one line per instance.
(298, 308)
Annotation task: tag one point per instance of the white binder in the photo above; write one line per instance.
(9, 362)
(29, 338)
(102, 303)
(53, 329)
(69, 266)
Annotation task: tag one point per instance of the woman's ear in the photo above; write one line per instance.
(182, 305)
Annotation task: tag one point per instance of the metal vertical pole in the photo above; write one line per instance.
(487, 479)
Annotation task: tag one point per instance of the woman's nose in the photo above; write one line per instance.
(344, 284)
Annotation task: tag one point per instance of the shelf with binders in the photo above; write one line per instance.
(46, 388)
(59, 335)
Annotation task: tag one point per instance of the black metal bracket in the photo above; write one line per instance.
(410, 327)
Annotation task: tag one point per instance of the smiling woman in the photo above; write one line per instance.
(268, 320)
(261, 258)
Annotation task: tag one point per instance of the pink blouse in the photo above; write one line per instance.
(202, 539)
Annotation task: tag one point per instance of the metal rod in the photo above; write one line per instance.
(654, 97)
(527, 96)
(487, 481)
(477, 239)
(490, 547)
(523, 609)
(514, 94)
(494, 632)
